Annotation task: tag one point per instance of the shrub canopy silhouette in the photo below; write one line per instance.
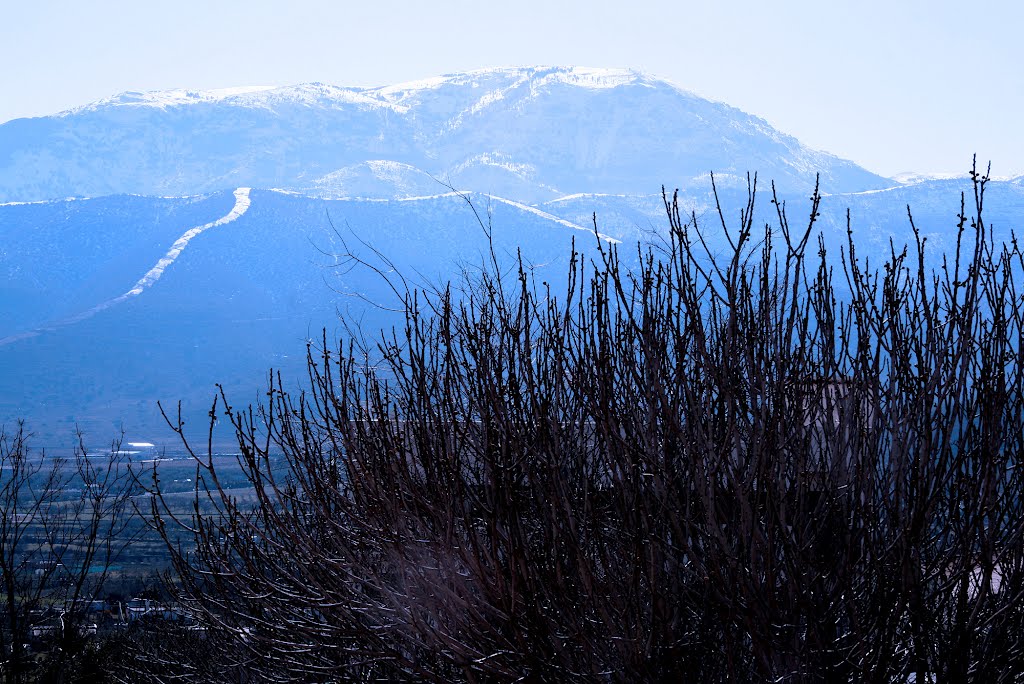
(769, 463)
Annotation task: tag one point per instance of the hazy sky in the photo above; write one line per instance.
(895, 85)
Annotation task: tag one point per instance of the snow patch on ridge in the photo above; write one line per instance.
(392, 171)
(421, 198)
(593, 78)
(265, 97)
(502, 161)
(46, 201)
(170, 98)
(313, 94)
(913, 177)
(374, 178)
(581, 195)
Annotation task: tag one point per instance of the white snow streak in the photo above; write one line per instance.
(242, 203)
(48, 201)
(551, 217)
(582, 195)
(241, 206)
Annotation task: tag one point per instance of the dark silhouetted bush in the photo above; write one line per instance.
(763, 464)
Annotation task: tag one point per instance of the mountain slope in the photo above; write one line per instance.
(240, 297)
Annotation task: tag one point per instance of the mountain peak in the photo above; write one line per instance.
(390, 96)
(169, 98)
(591, 77)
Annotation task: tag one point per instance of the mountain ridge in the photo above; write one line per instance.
(527, 133)
(391, 95)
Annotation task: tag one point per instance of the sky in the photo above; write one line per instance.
(895, 85)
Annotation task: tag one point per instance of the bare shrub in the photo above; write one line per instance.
(709, 467)
(63, 525)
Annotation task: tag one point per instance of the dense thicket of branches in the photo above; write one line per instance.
(63, 524)
(767, 464)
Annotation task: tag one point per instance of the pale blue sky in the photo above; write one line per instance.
(893, 85)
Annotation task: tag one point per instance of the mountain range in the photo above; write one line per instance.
(529, 133)
(153, 244)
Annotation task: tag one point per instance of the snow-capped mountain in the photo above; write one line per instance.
(533, 134)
